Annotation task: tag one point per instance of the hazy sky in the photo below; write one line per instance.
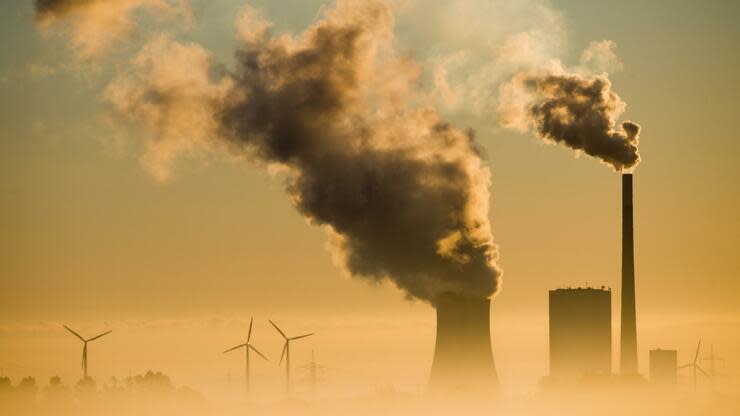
(88, 235)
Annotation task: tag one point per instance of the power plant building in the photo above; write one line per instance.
(663, 366)
(580, 332)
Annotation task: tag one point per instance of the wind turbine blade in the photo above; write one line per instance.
(73, 332)
(684, 366)
(285, 347)
(301, 336)
(235, 348)
(255, 350)
(249, 335)
(696, 357)
(702, 371)
(103, 334)
(278, 329)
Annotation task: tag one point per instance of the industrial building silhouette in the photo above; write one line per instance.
(628, 330)
(463, 358)
(580, 318)
(663, 366)
(580, 332)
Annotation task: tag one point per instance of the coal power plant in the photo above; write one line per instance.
(580, 332)
(580, 319)
(463, 359)
(628, 332)
(580, 329)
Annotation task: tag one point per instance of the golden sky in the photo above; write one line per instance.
(89, 236)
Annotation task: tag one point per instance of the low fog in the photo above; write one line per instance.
(153, 393)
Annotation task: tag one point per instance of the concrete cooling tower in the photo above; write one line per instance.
(463, 359)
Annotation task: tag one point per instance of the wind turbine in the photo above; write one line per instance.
(286, 353)
(247, 346)
(84, 347)
(694, 365)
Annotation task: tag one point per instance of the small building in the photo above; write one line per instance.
(663, 366)
(580, 332)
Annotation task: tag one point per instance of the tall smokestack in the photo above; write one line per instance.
(463, 360)
(628, 341)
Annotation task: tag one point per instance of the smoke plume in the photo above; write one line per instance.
(96, 24)
(473, 46)
(579, 111)
(600, 57)
(403, 194)
(171, 93)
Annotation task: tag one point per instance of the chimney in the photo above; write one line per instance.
(463, 361)
(628, 337)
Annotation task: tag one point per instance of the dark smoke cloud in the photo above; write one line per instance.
(403, 194)
(58, 6)
(575, 110)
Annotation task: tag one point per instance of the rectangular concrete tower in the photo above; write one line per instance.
(580, 333)
(628, 331)
(663, 366)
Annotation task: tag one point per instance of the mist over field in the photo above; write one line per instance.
(365, 365)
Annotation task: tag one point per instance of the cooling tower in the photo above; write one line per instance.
(463, 361)
(628, 337)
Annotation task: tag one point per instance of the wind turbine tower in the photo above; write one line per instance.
(286, 353)
(694, 366)
(84, 347)
(247, 346)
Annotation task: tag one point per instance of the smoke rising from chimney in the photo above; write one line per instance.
(403, 194)
(576, 110)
